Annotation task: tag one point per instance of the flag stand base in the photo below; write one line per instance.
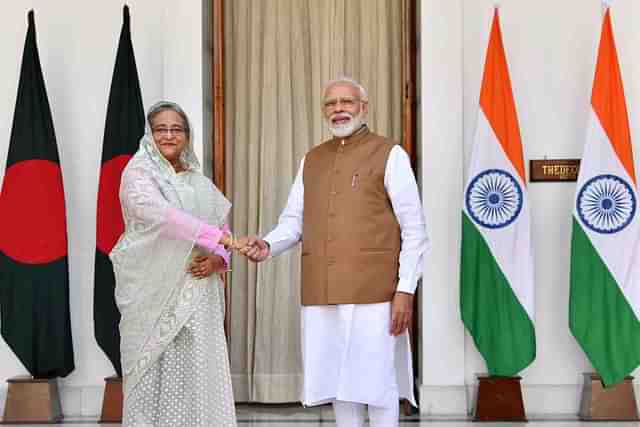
(112, 401)
(499, 399)
(31, 401)
(616, 403)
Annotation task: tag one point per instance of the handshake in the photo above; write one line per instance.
(253, 247)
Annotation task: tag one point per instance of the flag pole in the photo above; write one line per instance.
(499, 396)
(39, 336)
(589, 255)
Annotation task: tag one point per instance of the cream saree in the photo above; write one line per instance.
(174, 355)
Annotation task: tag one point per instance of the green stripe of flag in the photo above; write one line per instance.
(600, 317)
(496, 320)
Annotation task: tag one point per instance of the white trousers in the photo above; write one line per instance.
(349, 355)
(349, 414)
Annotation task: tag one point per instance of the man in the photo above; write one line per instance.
(355, 206)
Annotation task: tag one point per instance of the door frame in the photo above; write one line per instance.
(409, 118)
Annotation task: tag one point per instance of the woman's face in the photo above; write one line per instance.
(169, 134)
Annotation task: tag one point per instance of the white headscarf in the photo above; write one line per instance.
(187, 157)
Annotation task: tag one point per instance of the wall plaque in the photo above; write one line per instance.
(564, 170)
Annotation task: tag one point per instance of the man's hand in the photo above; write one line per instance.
(205, 265)
(256, 249)
(401, 313)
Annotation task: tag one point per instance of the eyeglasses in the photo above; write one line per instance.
(346, 102)
(166, 132)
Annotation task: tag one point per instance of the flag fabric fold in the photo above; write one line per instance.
(496, 278)
(604, 305)
(124, 126)
(34, 278)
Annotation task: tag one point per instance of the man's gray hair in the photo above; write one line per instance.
(161, 106)
(342, 79)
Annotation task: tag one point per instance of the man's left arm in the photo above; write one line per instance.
(402, 189)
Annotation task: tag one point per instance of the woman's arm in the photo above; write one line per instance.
(143, 202)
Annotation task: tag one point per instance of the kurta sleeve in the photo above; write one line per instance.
(405, 199)
(219, 249)
(144, 204)
(288, 232)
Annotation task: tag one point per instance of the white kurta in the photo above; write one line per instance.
(348, 353)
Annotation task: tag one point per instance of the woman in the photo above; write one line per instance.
(168, 290)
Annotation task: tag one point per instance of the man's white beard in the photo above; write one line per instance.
(347, 129)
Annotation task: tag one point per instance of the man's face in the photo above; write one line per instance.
(343, 109)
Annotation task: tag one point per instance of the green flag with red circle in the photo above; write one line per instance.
(124, 127)
(34, 275)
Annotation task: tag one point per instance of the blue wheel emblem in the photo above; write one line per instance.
(494, 198)
(606, 204)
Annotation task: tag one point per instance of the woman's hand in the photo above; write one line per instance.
(240, 244)
(226, 240)
(230, 243)
(205, 265)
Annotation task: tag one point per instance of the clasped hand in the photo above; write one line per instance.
(252, 247)
(205, 265)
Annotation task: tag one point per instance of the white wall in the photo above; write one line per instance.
(77, 40)
(442, 364)
(551, 50)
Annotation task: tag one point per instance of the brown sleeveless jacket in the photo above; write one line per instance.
(351, 237)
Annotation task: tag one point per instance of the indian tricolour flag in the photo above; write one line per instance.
(605, 280)
(497, 294)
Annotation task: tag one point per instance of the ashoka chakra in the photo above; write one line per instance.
(606, 204)
(494, 198)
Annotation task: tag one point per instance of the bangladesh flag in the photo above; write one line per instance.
(123, 129)
(605, 265)
(34, 277)
(496, 281)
